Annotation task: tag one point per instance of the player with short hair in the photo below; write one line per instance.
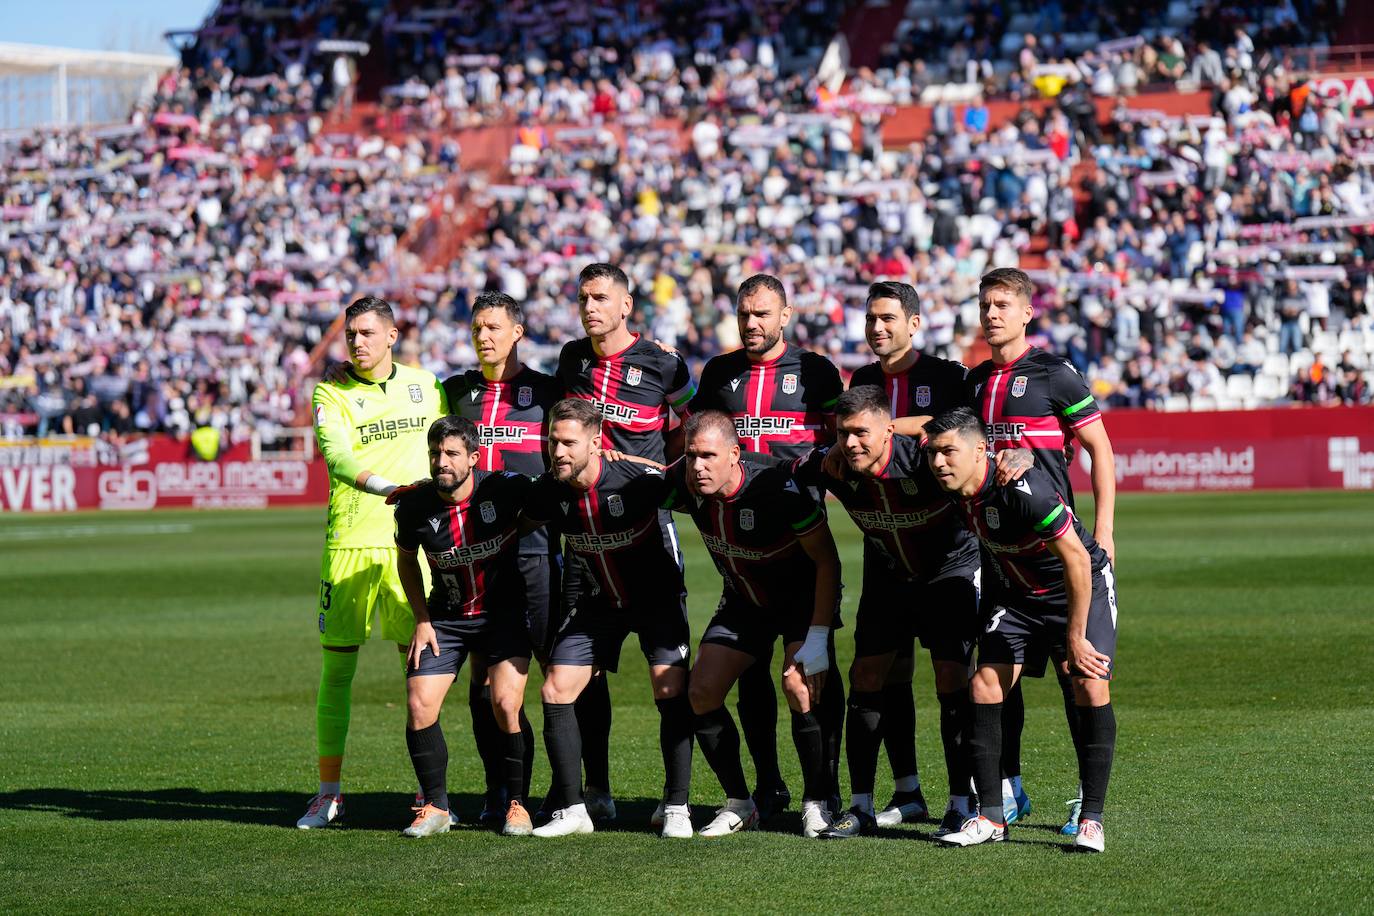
(633, 383)
(630, 581)
(917, 386)
(773, 547)
(465, 519)
(370, 429)
(1056, 596)
(508, 402)
(782, 399)
(1028, 398)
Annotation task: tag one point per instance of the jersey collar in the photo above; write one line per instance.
(1000, 366)
(367, 381)
(622, 351)
(767, 363)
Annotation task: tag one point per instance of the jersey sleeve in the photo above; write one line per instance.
(334, 435)
(803, 513)
(707, 396)
(454, 388)
(1040, 507)
(405, 529)
(807, 469)
(677, 382)
(540, 501)
(825, 386)
(675, 487)
(866, 375)
(1070, 398)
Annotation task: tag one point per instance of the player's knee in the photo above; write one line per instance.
(901, 671)
(794, 689)
(1088, 691)
(505, 706)
(950, 676)
(868, 674)
(420, 712)
(986, 687)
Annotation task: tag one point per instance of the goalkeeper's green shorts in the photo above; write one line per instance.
(356, 585)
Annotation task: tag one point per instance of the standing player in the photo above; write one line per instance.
(1056, 596)
(508, 402)
(1028, 398)
(370, 429)
(466, 522)
(916, 386)
(782, 399)
(633, 384)
(772, 544)
(630, 580)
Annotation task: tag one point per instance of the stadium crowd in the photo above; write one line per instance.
(177, 271)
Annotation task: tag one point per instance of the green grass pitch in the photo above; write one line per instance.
(157, 715)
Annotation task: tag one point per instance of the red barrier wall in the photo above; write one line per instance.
(155, 473)
(1313, 448)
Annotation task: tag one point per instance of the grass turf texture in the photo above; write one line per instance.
(157, 716)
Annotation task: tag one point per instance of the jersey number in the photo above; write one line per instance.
(451, 583)
(996, 619)
(325, 594)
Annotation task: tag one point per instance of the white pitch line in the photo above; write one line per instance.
(59, 532)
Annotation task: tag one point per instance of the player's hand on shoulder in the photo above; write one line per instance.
(335, 373)
(1013, 463)
(395, 495)
(670, 350)
(833, 464)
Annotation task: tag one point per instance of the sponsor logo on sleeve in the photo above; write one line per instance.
(319, 416)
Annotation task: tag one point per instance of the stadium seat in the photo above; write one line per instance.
(1275, 364)
(1202, 402)
(1300, 361)
(1240, 385)
(1268, 386)
(1177, 403)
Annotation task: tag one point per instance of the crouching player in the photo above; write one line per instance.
(466, 522)
(1056, 594)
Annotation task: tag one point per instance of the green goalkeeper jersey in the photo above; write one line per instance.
(381, 427)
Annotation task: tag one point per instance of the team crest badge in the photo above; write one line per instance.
(488, 512)
(1018, 386)
(789, 384)
(615, 504)
(417, 393)
(922, 395)
(633, 375)
(991, 515)
(908, 486)
(746, 519)
(525, 396)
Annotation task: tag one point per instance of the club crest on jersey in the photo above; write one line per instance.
(434, 524)
(525, 396)
(488, 512)
(789, 384)
(634, 375)
(908, 486)
(1018, 386)
(922, 395)
(746, 519)
(417, 394)
(616, 505)
(994, 520)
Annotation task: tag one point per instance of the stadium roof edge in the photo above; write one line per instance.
(43, 57)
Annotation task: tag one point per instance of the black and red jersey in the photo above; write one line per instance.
(613, 530)
(1014, 523)
(928, 387)
(471, 546)
(632, 390)
(903, 512)
(1036, 401)
(783, 407)
(753, 534)
(511, 426)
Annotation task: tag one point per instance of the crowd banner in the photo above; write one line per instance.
(158, 472)
(1328, 448)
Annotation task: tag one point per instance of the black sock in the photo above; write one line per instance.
(594, 723)
(527, 764)
(675, 722)
(486, 734)
(831, 717)
(757, 705)
(514, 766)
(806, 734)
(429, 755)
(1013, 722)
(867, 724)
(899, 728)
(564, 745)
(986, 744)
(719, 740)
(955, 723)
(1097, 732)
(1071, 716)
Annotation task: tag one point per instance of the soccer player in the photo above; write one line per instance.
(508, 401)
(633, 383)
(371, 430)
(921, 568)
(1028, 398)
(465, 520)
(1055, 596)
(630, 581)
(916, 386)
(782, 399)
(772, 544)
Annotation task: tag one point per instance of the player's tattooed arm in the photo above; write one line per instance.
(1013, 463)
(1078, 585)
(408, 569)
(611, 454)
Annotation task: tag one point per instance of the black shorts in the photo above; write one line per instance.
(542, 577)
(594, 632)
(1012, 636)
(892, 611)
(494, 640)
(744, 627)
